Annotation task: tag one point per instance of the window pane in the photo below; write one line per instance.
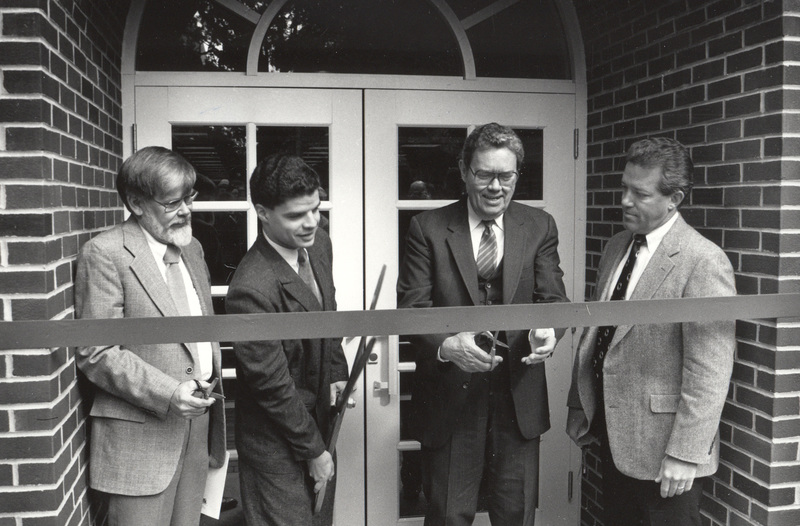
(218, 155)
(523, 40)
(194, 35)
(308, 142)
(223, 236)
(361, 36)
(428, 163)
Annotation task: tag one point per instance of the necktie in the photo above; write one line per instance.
(175, 280)
(487, 251)
(606, 334)
(304, 269)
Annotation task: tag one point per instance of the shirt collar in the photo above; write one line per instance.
(475, 221)
(156, 247)
(655, 237)
(288, 254)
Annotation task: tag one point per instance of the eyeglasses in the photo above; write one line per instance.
(173, 206)
(485, 178)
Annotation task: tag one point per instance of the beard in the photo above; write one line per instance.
(178, 232)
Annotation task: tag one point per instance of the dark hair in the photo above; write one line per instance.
(492, 135)
(143, 173)
(671, 156)
(281, 177)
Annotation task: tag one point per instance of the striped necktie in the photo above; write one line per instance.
(487, 251)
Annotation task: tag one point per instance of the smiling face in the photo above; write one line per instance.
(489, 201)
(167, 227)
(644, 207)
(293, 223)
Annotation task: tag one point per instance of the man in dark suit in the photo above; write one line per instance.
(479, 415)
(652, 395)
(153, 438)
(285, 388)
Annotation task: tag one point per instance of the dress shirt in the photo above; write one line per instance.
(645, 253)
(288, 254)
(204, 350)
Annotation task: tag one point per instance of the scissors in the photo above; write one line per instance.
(495, 343)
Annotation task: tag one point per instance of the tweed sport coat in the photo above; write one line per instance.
(283, 395)
(664, 384)
(135, 442)
(439, 270)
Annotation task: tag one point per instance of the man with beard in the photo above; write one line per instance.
(155, 426)
(286, 387)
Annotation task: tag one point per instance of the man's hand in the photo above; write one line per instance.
(543, 343)
(185, 404)
(676, 476)
(336, 389)
(462, 351)
(321, 470)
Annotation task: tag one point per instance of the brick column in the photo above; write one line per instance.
(60, 149)
(716, 76)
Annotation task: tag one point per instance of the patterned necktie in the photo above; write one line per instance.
(175, 280)
(606, 334)
(487, 251)
(306, 274)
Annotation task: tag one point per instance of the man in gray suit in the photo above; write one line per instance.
(154, 428)
(651, 395)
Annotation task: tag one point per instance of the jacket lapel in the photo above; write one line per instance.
(145, 269)
(516, 240)
(322, 273)
(285, 275)
(460, 244)
(657, 270)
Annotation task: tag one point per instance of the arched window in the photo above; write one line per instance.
(465, 38)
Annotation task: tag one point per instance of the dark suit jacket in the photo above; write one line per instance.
(439, 270)
(283, 390)
(665, 384)
(136, 442)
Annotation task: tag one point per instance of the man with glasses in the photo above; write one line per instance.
(482, 400)
(156, 425)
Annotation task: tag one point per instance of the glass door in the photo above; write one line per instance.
(224, 132)
(412, 140)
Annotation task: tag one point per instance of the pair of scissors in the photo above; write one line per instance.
(495, 343)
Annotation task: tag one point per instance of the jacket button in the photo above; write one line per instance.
(465, 385)
(189, 370)
(488, 285)
(489, 302)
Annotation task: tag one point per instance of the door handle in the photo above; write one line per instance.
(380, 388)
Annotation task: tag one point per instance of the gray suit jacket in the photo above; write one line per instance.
(664, 384)
(135, 442)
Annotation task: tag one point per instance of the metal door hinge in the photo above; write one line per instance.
(576, 143)
(570, 478)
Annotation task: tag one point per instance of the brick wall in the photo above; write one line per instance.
(717, 76)
(60, 129)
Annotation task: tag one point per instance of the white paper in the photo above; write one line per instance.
(215, 487)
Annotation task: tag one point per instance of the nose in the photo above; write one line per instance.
(311, 220)
(626, 199)
(494, 184)
(185, 208)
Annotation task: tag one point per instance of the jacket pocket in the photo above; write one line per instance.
(106, 407)
(664, 403)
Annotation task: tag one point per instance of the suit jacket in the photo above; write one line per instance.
(439, 270)
(135, 442)
(664, 384)
(283, 391)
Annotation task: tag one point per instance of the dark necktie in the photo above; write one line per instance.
(606, 334)
(306, 274)
(175, 280)
(487, 251)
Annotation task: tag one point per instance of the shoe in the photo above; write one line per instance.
(228, 503)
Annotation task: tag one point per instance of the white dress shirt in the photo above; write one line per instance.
(204, 349)
(646, 252)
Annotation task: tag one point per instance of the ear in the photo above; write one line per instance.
(263, 213)
(677, 198)
(463, 169)
(135, 203)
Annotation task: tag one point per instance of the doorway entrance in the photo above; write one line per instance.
(383, 155)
